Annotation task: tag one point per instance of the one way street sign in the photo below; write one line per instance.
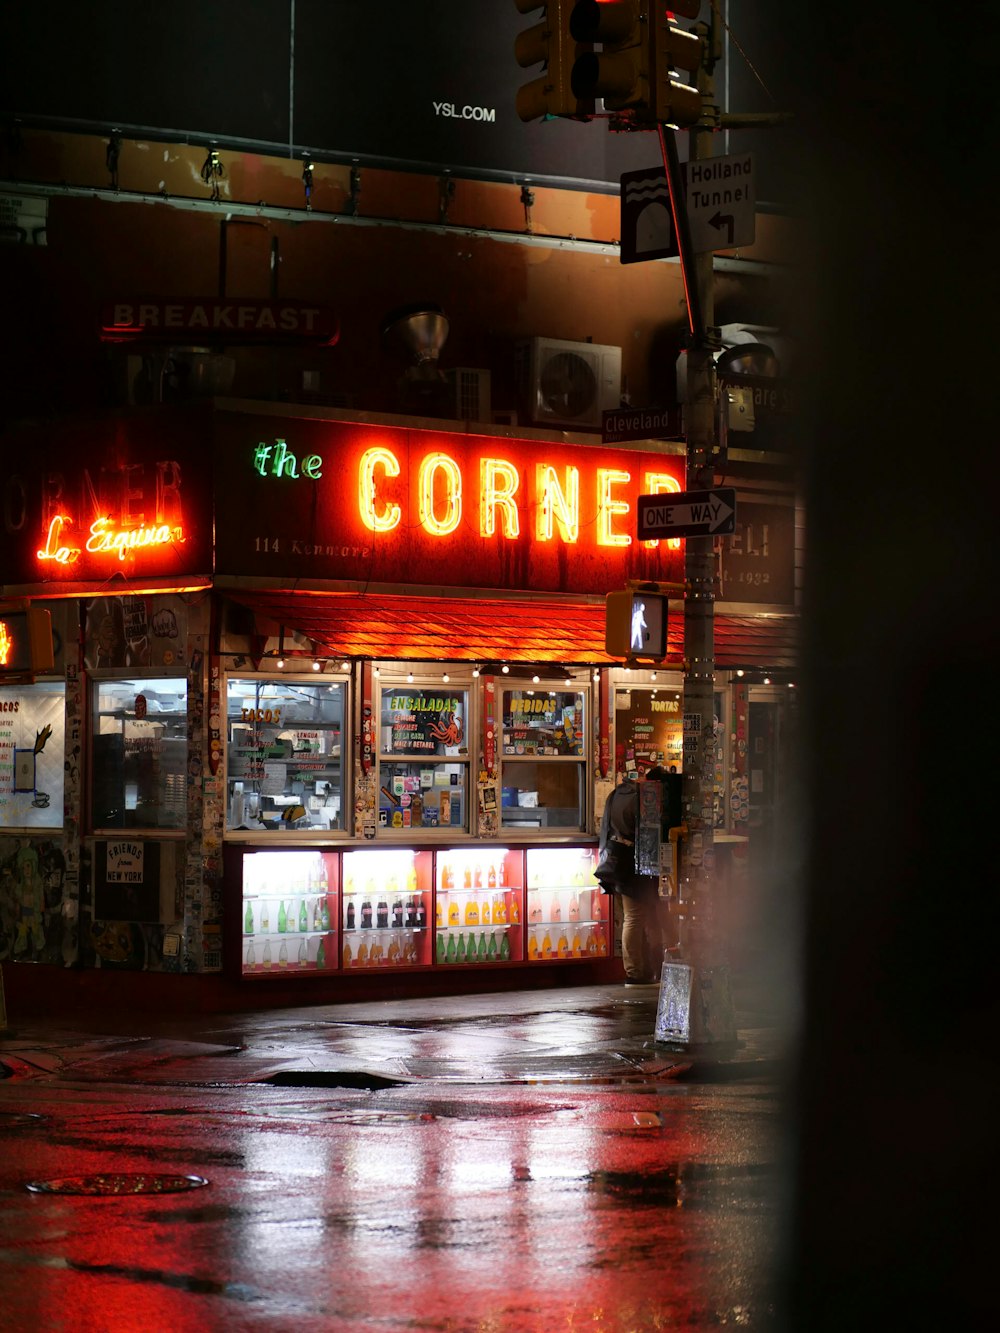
(687, 514)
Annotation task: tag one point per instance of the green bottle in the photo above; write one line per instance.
(482, 952)
(491, 952)
(265, 917)
(460, 951)
(504, 947)
(442, 952)
(451, 954)
(317, 919)
(303, 916)
(282, 918)
(248, 920)
(324, 915)
(321, 954)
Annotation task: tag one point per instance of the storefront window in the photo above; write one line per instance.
(423, 758)
(543, 771)
(139, 756)
(285, 754)
(32, 722)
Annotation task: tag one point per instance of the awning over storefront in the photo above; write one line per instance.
(482, 630)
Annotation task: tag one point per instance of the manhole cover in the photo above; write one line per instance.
(135, 1182)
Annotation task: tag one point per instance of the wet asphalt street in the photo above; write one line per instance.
(525, 1161)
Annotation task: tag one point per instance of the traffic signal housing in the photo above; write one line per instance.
(549, 44)
(635, 625)
(641, 48)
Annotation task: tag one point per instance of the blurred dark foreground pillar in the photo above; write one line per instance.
(896, 1106)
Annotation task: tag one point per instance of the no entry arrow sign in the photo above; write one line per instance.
(687, 514)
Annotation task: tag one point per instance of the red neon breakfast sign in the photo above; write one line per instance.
(343, 500)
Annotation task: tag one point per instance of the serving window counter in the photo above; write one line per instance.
(377, 909)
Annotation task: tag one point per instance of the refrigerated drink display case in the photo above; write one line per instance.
(289, 912)
(479, 905)
(386, 908)
(567, 914)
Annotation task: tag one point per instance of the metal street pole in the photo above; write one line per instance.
(697, 987)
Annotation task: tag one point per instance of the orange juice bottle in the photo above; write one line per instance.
(453, 914)
(532, 946)
(486, 914)
(602, 942)
(362, 954)
(348, 953)
(562, 948)
(515, 908)
(491, 878)
(576, 945)
(546, 945)
(467, 877)
(471, 912)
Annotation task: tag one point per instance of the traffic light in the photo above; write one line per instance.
(640, 49)
(549, 44)
(635, 625)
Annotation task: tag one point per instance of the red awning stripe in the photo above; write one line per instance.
(487, 630)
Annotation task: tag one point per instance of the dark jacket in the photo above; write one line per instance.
(619, 821)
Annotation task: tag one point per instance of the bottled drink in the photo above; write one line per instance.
(576, 944)
(451, 953)
(303, 916)
(470, 953)
(248, 920)
(251, 955)
(324, 883)
(422, 912)
(348, 954)
(504, 948)
(411, 911)
(460, 949)
(366, 915)
(350, 914)
(562, 948)
(482, 953)
(317, 918)
(453, 916)
(411, 881)
(267, 956)
(442, 952)
(515, 908)
(486, 912)
(546, 945)
(502, 874)
(574, 907)
(533, 946)
(392, 953)
(467, 877)
(491, 878)
(397, 912)
(265, 917)
(439, 912)
(471, 912)
(282, 918)
(555, 908)
(447, 875)
(303, 954)
(363, 954)
(491, 948)
(382, 914)
(478, 877)
(283, 955)
(321, 954)
(324, 914)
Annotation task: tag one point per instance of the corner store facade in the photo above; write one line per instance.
(461, 553)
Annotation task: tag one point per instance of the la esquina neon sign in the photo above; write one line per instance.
(104, 539)
(441, 500)
(6, 644)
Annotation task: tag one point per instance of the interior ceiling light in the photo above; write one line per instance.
(446, 678)
(475, 673)
(534, 680)
(409, 678)
(317, 664)
(345, 666)
(505, 669)
(280, 663)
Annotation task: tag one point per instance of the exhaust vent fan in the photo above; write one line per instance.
(568, 383)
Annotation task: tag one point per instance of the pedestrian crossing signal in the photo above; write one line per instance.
(635, 625)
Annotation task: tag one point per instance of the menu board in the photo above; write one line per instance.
(542, 722)
(648, 730)
(424, 722)
(32, 726)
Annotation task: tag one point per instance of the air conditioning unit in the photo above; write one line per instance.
(567, 383)
(470, 393)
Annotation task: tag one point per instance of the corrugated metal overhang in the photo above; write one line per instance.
(434, 629)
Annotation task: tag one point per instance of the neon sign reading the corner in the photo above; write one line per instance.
(503, 491)
(104, 539)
